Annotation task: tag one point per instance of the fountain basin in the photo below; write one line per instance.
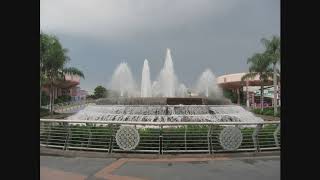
(163, 101)
(159, 109)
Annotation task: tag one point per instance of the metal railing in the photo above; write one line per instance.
(160, 137)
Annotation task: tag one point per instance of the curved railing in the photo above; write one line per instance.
(159, 137)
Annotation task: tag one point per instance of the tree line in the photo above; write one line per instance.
(53, 60)
(264, 65)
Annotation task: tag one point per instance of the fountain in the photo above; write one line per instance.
(165, 100)
(167, 78)
(166, 85)
(122, 81)
(207, 84)
(145, 80)
(182, 91)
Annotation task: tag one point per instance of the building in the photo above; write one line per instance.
(68, 87)
(250, 88)
(78, 94)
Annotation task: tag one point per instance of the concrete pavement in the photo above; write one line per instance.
(222, 168)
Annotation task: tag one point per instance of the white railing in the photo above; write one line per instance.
(160, 137)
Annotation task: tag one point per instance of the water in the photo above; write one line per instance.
(167, 78)
(207, 85)
(145, 80)
(166, 85)
(154, 108)
(123, 82)
(182, 91)
(155, 89)
(166, 113)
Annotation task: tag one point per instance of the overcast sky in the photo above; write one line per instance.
(215, 34)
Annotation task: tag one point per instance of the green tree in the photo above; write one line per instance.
(53, 58)
(259, 66)
(273, 55)
(230, 95)
(100, 92)
(91, 96)
(45, 41)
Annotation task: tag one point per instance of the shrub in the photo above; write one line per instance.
(44, 99)
(44, 112)
(62, 99)
(266, 111)
(91, 96)
(230, 95)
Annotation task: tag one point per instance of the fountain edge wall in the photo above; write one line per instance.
(162, 101)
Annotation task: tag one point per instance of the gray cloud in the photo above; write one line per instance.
(114, 19)
(215, 34)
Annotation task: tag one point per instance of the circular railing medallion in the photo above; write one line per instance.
(230, 138)
(127, 138)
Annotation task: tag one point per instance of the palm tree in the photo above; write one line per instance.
(73, 71)
(53, 58)
(44, 49)
(259, 66)
(56, 58)
(60, 76)
(273, 54)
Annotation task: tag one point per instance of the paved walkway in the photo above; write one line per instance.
(80, 168)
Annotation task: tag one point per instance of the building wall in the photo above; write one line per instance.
(78, 94)
(72, 78)
(233, 82)
(74, 91)
(230, 78)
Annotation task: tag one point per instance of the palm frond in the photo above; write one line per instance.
(272, 49)
(73, 71)
(249, 75)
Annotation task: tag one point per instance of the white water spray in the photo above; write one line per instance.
(166, 85)
(207, 85)
(145, 80)
(122, 81)
(182, 91)
(167, 78)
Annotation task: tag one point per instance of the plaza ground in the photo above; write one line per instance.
(222, 168)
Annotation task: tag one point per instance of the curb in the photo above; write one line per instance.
(69, 153)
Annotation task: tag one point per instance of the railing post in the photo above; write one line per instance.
(275, 135)
(185, 137)
(66, 143)
(255, 137)
(111, 139)
(160, 141)
(90, 135)
(49, 133)
(209, 140)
